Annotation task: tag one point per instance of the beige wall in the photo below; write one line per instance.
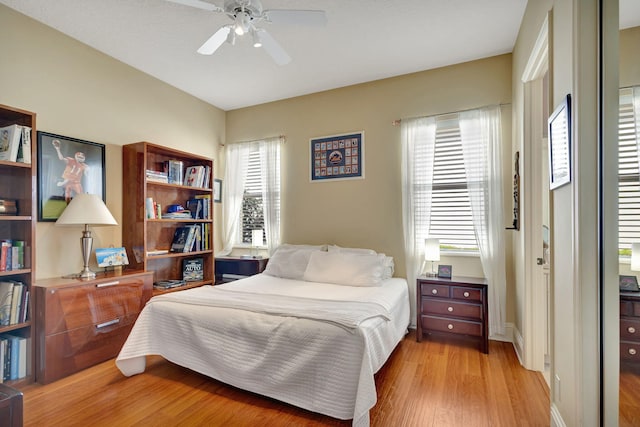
(368, 213)
(630, 57)
(81, 93)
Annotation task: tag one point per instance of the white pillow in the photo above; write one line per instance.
(334, 248)
(290, 261)
(341, 268)
(389, 267)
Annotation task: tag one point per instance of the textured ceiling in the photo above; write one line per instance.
(364, 40)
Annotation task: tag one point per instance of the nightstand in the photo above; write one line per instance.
(453, 307)
(229, 269)
(629, 328)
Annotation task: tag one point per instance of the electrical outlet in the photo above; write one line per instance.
(556, 384)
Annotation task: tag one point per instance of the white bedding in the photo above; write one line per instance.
(288, 346)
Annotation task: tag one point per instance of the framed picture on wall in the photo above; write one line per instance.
(217, 190)
(560, 145)
(337, 157)
(66, 167)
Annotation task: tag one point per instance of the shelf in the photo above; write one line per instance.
(178, 254)
(189, 285)
(14, 327)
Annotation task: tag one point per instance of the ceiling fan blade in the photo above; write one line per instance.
(296, 17)
(273, 48)
(198, 4)
(215, 41)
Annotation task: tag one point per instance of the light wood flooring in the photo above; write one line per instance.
(432, 383)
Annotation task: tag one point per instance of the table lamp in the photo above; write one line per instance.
(86, 209)
(432, 253)
(256, 241)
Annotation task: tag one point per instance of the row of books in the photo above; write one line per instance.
(197, 208)
(14, 302)
(174, 172)
(13, 357)
(155, 176)
(197, 176)
(15, 143)
(190, 238)
(11, 254)
(200, 206)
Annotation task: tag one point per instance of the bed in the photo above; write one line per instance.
(315, 344)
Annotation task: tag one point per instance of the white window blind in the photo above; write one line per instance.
(629, 175)
(451, 219)
(252, 205)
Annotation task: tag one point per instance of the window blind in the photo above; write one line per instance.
(451, 219)
(629, 175)
(252, 206)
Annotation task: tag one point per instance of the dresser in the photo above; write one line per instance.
(80, 323)
(234, 268)
(455, 307)
(630, 327)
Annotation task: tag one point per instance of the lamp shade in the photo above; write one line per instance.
(256, 237)
(635, 256)
(432, 249)
(86, 209)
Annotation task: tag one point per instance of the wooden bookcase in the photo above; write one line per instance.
(141, 234)
(19, 183)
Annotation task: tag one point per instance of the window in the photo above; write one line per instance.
(451, 219)
(252, 213)
(628, 175)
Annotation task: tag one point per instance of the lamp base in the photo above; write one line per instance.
(431, 274)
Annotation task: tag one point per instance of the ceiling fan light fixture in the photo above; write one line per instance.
(242, 23)
(257, 39)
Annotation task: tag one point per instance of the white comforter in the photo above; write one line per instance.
(313, 345)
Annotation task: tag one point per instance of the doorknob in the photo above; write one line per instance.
(540, 261)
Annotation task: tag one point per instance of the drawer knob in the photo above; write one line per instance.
(450, 309)
(631, 330)
(434, 291)
(632, 351)
(449, 326)
(466, 294)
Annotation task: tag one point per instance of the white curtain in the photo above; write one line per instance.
(418, 151)
(480, 131)
(636, 115)
(270, 170)
(236, 163)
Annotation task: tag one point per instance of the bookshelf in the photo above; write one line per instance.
(19, 184)
(145, 235)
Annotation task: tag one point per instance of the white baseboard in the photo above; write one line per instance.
(556, 418)
(518, 345)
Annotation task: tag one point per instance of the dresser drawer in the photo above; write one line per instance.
(434, 290)
(74, 307)
(73, 350)
(629, 351)
(469, 294)
(451, 308)
(453, 326)
(630, 329)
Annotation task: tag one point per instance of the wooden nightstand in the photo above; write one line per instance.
(229, 269)
(629, 327)
(84, 322)
(456, 306)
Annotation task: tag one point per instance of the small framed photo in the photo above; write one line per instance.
(217, 190)
(111, 257)
(444, 271)
(629, 284)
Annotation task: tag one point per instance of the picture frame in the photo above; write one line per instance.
(217, 190)
(560, 145)
(629, 284)
(337, 157)
(74, 166)
(111, 257)
(444, 271)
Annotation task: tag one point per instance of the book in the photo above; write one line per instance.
(193, 269)
(168, 284)
(194, 176)
(150, 210)
(10, 142)
(24, 149)
(175, 171)
(180, 238)
(6, 298)
(191, 238)
(16, 302)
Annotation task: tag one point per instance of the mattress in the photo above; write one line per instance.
(313, 345)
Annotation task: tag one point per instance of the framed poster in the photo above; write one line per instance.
(337, 157)
(67, 166)
(560, 145)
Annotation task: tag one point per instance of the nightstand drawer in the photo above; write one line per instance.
(434, 290)
(468, 294)
(451, 308)
(71, 351)
(630, 329)
(453, 326)
(73, 307)
(629, 351)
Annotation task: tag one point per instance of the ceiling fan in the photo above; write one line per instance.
(246, 13)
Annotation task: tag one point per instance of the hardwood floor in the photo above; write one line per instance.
(432, 383)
